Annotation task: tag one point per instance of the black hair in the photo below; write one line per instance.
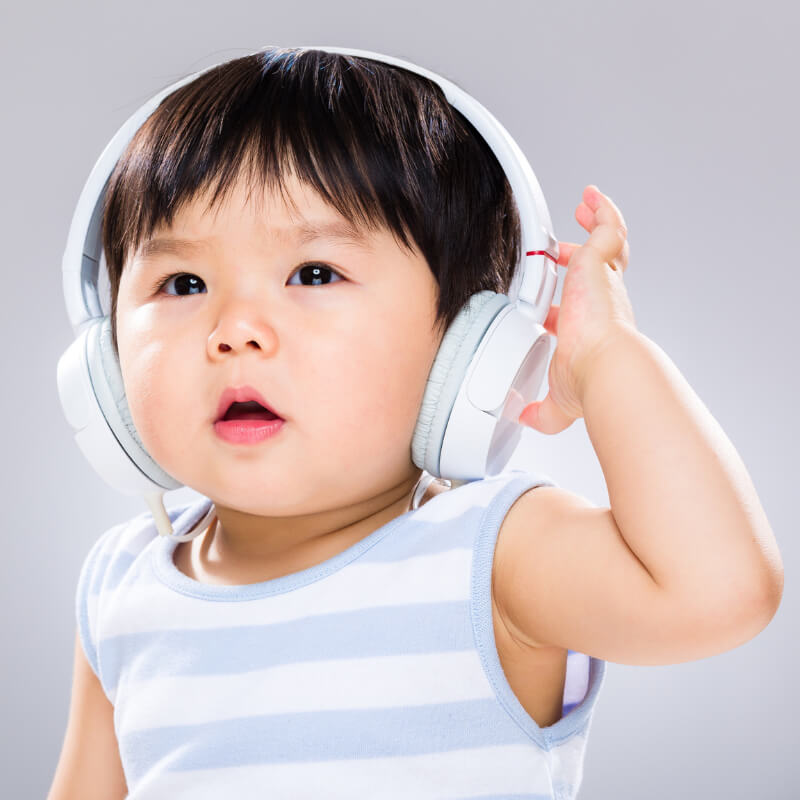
(379, 143)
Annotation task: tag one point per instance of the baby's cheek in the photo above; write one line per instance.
(370, 408)
(157, 410)
(146, 422)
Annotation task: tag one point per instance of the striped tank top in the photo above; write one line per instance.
(372, 674)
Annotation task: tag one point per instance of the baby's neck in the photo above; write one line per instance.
(201, 560)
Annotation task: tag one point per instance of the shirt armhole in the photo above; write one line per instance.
(585, 674)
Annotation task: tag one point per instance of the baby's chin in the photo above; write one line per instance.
(268, 496)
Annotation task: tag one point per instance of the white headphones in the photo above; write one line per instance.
(491, 362)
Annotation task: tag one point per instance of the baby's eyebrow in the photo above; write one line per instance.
(170, 246)
(304, 234)
(342, 230)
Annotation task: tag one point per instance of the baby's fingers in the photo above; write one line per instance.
(608, 233)
(608, 237)
(603, 207)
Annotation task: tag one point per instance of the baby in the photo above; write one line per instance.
(288, 238)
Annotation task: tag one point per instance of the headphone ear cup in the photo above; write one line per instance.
(458, 346)
(106, 377)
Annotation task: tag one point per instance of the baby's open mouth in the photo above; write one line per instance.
(249, 410)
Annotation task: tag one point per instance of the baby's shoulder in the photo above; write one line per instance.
(112, 553)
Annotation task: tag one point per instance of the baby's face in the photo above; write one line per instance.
(344, 362)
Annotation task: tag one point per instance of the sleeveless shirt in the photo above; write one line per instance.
(372, 674)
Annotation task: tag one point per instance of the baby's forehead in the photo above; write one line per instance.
(292, 210)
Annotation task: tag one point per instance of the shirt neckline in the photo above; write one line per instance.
(187, 516)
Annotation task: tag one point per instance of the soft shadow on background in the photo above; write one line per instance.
(684, 113)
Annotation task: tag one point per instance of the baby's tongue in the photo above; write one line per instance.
(249, 410)
(253, 415)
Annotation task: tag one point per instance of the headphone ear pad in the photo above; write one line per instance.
(457, 348)
(106, 377)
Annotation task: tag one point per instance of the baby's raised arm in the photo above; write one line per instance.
(90, 767)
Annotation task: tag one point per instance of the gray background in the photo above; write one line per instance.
(684, 113)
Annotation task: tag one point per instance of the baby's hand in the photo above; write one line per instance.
(594, 308)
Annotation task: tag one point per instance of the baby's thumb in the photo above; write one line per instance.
(546, 416)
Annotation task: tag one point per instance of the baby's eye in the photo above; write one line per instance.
(315, 274)
(184, 283)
